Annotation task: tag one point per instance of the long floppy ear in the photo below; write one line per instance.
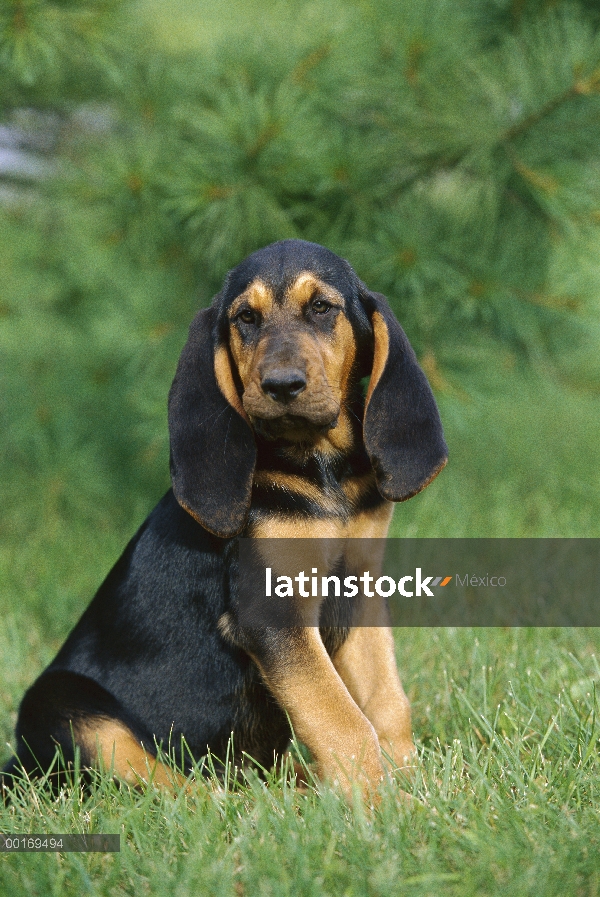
(213, 452)
(402, 429)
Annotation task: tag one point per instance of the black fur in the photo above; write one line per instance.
(148, 651)
(402, 428)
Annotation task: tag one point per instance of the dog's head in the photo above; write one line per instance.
(276, 357)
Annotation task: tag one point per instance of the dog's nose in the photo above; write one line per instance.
(283, 385)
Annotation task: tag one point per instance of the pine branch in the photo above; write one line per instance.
(580, 87)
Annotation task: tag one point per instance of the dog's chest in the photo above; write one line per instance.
(312, 497)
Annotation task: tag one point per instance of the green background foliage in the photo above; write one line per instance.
(449, 151)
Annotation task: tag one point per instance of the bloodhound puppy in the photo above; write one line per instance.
(298, 409)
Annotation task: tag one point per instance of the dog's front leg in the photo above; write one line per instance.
(367, 665)
(299, 673)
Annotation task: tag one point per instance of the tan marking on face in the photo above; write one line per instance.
(345, 340)
(246, 358)
(330, 356)
(225, 380)
(338, 355)
(338, 351)
(319, 384)
(334, 442)
(306, 286)
(326, 359)
(113, 745)
(380, 356)
(341, 437)
(257, 295)
(337, 440)
(319, 403)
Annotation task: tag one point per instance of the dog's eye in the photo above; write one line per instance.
(319, 306)
(247, 316)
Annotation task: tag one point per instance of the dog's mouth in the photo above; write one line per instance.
(292, 427)
(305, 418)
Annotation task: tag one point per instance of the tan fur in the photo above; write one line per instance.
(257, 295)
(346, 709)
(284, 526)
(259, 298)
(344, 341)
(327, 360)
(338, 439)
(356, 487)
(372, 524)
(382, 350)
(225, 380)
(326, 718)
(367, 665)
(334, 718)
(114, 747)
(319, 402)
(306, 286)
(297, 485)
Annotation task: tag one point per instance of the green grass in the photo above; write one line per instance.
(524, 460)
(507, 797)
(507, 794)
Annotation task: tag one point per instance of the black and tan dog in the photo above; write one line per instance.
(271, 436)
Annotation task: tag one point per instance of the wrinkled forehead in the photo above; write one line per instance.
(284, 268)
(291, 298)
